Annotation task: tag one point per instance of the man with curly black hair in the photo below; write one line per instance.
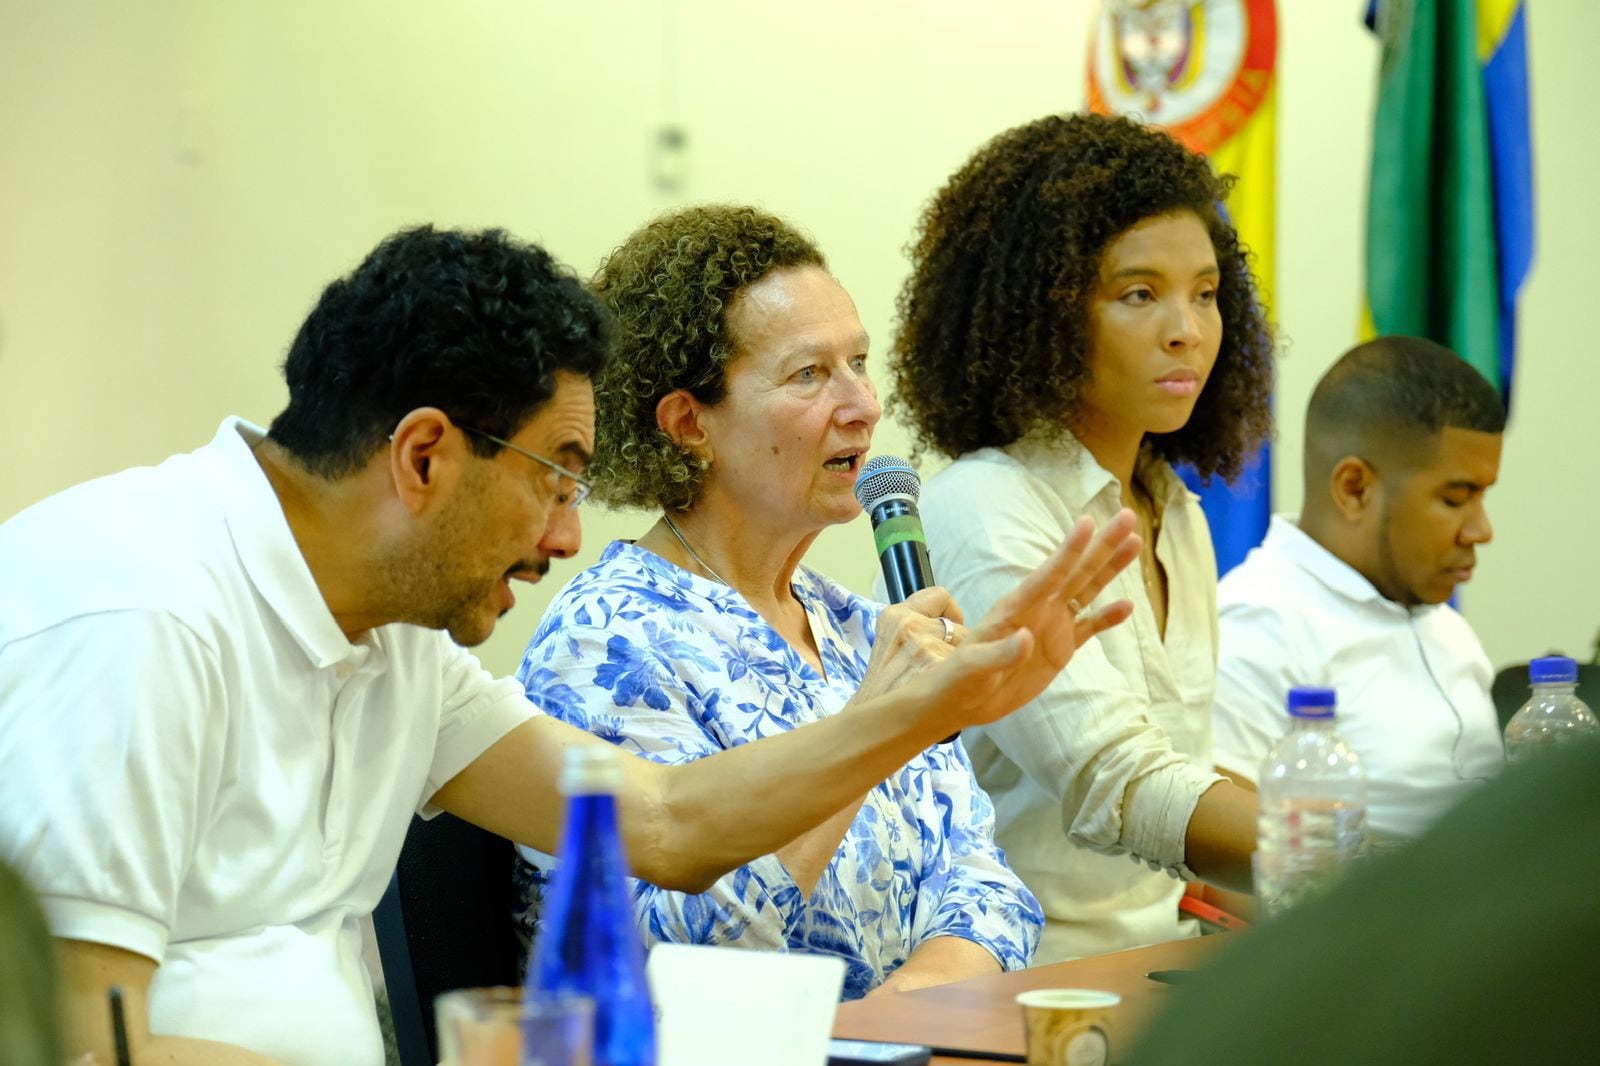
(226, 682)
(1080, 316)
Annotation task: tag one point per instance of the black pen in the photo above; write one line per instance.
(974, 1053)
(1170, 977)
(119, 1026)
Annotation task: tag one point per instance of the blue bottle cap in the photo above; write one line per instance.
(1311, 703)
(1552, 668)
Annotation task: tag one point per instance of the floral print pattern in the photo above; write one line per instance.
(675, 667)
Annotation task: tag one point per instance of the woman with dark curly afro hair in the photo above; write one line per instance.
(1080, 316)
(738, 405)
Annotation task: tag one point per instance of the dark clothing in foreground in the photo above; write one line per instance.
(1480, 943)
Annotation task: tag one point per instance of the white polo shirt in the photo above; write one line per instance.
(1413, 685)
(197, 766)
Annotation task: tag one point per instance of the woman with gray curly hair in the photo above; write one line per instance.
(738, 403)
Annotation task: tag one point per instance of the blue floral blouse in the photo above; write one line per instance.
(676, 667)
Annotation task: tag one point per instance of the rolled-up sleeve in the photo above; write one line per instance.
(1122, 786)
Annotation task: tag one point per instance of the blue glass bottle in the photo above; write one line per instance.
(589, 943)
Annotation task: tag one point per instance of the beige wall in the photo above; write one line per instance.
(178, 180)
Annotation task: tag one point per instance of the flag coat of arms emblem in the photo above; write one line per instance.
(1205, 71)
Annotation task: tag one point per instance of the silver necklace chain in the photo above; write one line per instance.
(692, 553)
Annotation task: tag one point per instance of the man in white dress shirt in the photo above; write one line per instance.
(1402, 443)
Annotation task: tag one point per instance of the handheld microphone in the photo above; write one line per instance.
(888, 489)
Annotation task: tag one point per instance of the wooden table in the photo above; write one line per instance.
(981, 1014)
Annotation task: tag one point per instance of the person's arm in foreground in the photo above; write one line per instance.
(87, 972)
(1240, 901)
(938, 961)
(680, 829)
(1221, 836)
(617, 674)
(627, 668)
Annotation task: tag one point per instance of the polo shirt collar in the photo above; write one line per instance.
(266, 546)
(1338, 576)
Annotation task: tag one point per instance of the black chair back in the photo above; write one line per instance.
(444, 923)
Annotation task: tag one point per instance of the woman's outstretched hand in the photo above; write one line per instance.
(1009, 657)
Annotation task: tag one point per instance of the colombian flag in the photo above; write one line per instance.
(1450, 207)
(1206, 72)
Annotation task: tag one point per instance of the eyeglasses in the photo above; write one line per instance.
(567, 497)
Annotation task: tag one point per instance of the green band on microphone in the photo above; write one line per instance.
(892, 531)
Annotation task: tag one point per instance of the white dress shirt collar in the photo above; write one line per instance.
(1327, 568)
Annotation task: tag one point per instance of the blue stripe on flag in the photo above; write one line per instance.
(1505, 84)
(1238, 513)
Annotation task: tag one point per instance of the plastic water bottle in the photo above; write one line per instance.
(1313, 813)
(1553, 715)
(589, 944)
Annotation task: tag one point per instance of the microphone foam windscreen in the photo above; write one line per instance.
(885, 477)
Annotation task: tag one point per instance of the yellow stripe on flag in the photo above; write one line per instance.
(1494, 18)
(1252, 155)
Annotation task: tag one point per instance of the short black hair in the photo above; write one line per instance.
(1384, 398)
(474, 323)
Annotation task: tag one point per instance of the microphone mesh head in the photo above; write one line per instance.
(885, 477)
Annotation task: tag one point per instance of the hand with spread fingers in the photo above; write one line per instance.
(1032, 632)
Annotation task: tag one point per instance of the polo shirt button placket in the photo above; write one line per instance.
(333, 842)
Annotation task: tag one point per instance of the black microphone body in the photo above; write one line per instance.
(902, 551)
(888, 488)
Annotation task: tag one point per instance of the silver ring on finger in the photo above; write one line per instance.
(949, 629)
(1077, 608)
